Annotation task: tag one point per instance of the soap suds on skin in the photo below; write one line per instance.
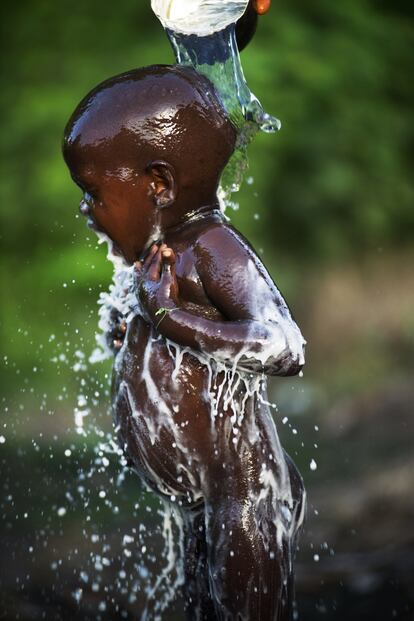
(230, 388)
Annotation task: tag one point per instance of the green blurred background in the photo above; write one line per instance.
(329, 205)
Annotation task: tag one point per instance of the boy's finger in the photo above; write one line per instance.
(154, 270)
(168, 257)
(168, 263)
(152, 251)
(168, 276)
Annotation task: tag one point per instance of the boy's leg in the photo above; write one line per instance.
(198, 603)
(251, 528)
(247, 580)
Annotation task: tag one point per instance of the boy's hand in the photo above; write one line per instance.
(116, 334)
(156, 283)
(261, 6)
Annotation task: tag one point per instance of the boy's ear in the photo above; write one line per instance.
(163, 185)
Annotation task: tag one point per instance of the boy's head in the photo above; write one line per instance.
(147, 147)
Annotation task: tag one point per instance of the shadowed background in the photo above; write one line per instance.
(329, 205)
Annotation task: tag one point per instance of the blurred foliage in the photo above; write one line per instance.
(331, 207)
(335, 183)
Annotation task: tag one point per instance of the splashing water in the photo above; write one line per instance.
(203, 36)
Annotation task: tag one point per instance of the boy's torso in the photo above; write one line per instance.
(162, 403)
(159, 395)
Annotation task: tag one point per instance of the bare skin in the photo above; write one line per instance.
(203, 291)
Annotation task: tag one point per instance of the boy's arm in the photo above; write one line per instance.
(258, 334)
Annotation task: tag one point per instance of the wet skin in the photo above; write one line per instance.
(200, 287)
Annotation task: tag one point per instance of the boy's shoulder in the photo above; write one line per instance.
(223, 255)
(233, 276)
(221, 238)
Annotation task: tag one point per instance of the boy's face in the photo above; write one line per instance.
(118, 203)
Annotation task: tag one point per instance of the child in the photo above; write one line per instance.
(147, 148)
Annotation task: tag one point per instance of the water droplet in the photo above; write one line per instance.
(77, 595)
(127, 539)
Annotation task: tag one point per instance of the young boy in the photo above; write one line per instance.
(147, 148)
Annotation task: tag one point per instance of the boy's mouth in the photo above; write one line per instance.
(86, 209)
(92, 225)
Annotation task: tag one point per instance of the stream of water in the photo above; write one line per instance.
(205, 38)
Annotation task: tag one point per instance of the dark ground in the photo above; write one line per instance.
(360, 516)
